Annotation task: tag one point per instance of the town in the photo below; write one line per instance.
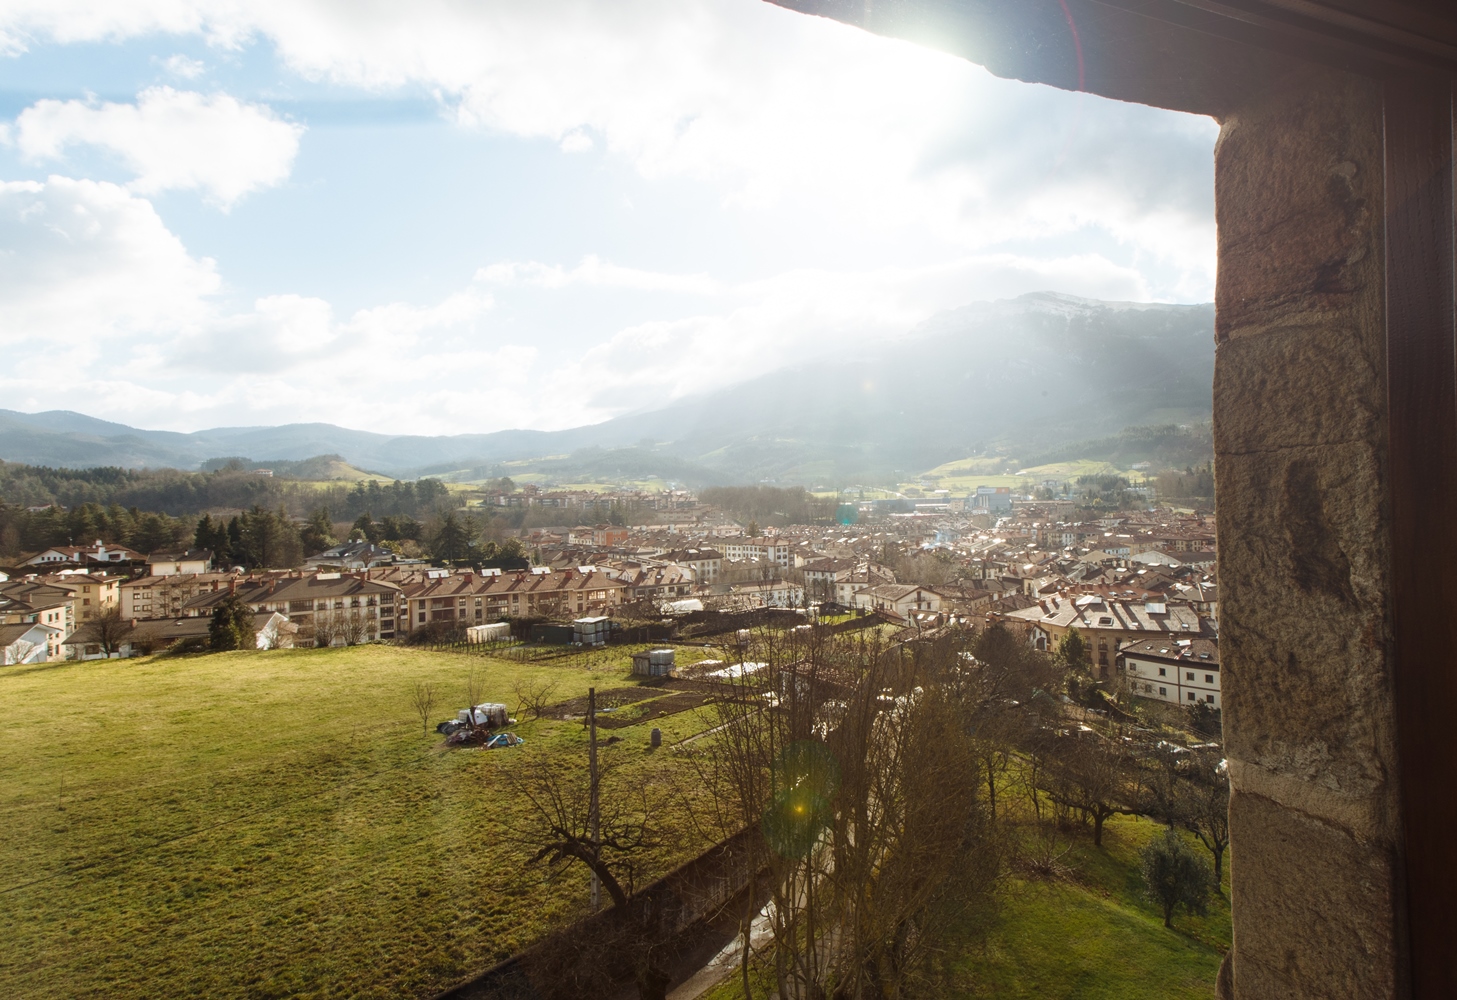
(1140, 585)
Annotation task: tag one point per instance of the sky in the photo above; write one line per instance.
(448, 217)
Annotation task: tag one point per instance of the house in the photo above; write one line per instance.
(351, 556)
(705, 563)
(100, 552)
(1177, 671)
(773, 594)
(653, 582)
(27, 642)
(900, 599)
(174, 563)
(91, 593)
(30, 601)
(821, 576)
(272, 630)
(870, 575)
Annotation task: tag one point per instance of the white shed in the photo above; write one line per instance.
(653, 663)
(495, 632)
(591, 631)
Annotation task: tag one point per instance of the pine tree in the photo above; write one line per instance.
(318, 533)
(453, 540)
(232, 626)
(366, 526)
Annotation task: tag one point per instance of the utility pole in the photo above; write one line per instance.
(592, 805)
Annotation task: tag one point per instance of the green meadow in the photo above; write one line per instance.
(276, 824)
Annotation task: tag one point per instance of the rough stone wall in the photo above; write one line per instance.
(1300, 442)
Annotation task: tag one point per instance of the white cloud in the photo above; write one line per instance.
(597, 273)
(184, 67)
(171, 139)
(83, 263)
(952, 185)
(93, 281)
(796, 317)
(577, 141)
(807, 123)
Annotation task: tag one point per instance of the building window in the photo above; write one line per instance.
(1208, 678)
(1162, 672)
(1209, 698)
(422, 617)
(1188, 676)
(1163, 691)
(1191, 695)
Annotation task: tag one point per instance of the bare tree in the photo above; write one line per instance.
(1205, 807)
(1159, 778)
(422, 696)
(353, 628)
(325, 628)
(728, 785)
(111, 629)
(533, 697)
(1091, 774)
(856, 762)
(559, 830)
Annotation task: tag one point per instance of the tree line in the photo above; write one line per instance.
(23, 530)
(178, 493)
(260, 538)
(776, 505)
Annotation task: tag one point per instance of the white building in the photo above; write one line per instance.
(1177, 671)
(192, 561)
(899, 598)
(27, 642)
(757, 550)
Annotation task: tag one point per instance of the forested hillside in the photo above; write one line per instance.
(151, 510)
(178, 493)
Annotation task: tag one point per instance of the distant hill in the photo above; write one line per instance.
(318, 469)
(1026, 377)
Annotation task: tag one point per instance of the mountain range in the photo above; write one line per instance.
(1012, 377)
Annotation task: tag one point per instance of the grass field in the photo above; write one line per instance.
(271, 824)
(967, 474)
(1095, 936)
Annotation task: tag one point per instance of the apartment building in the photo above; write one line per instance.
(760, 549)
(1106, 623)
(1177, 671)
(328, 608)
(479, 598)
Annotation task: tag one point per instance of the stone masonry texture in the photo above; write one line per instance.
(1300, 444)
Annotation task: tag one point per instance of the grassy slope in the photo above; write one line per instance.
(962, 477)
(1094, 937)
(267, 825)
(1097, 937)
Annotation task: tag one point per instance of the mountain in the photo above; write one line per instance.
(1014, 377)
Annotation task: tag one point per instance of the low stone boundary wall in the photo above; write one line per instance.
(668, 912)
